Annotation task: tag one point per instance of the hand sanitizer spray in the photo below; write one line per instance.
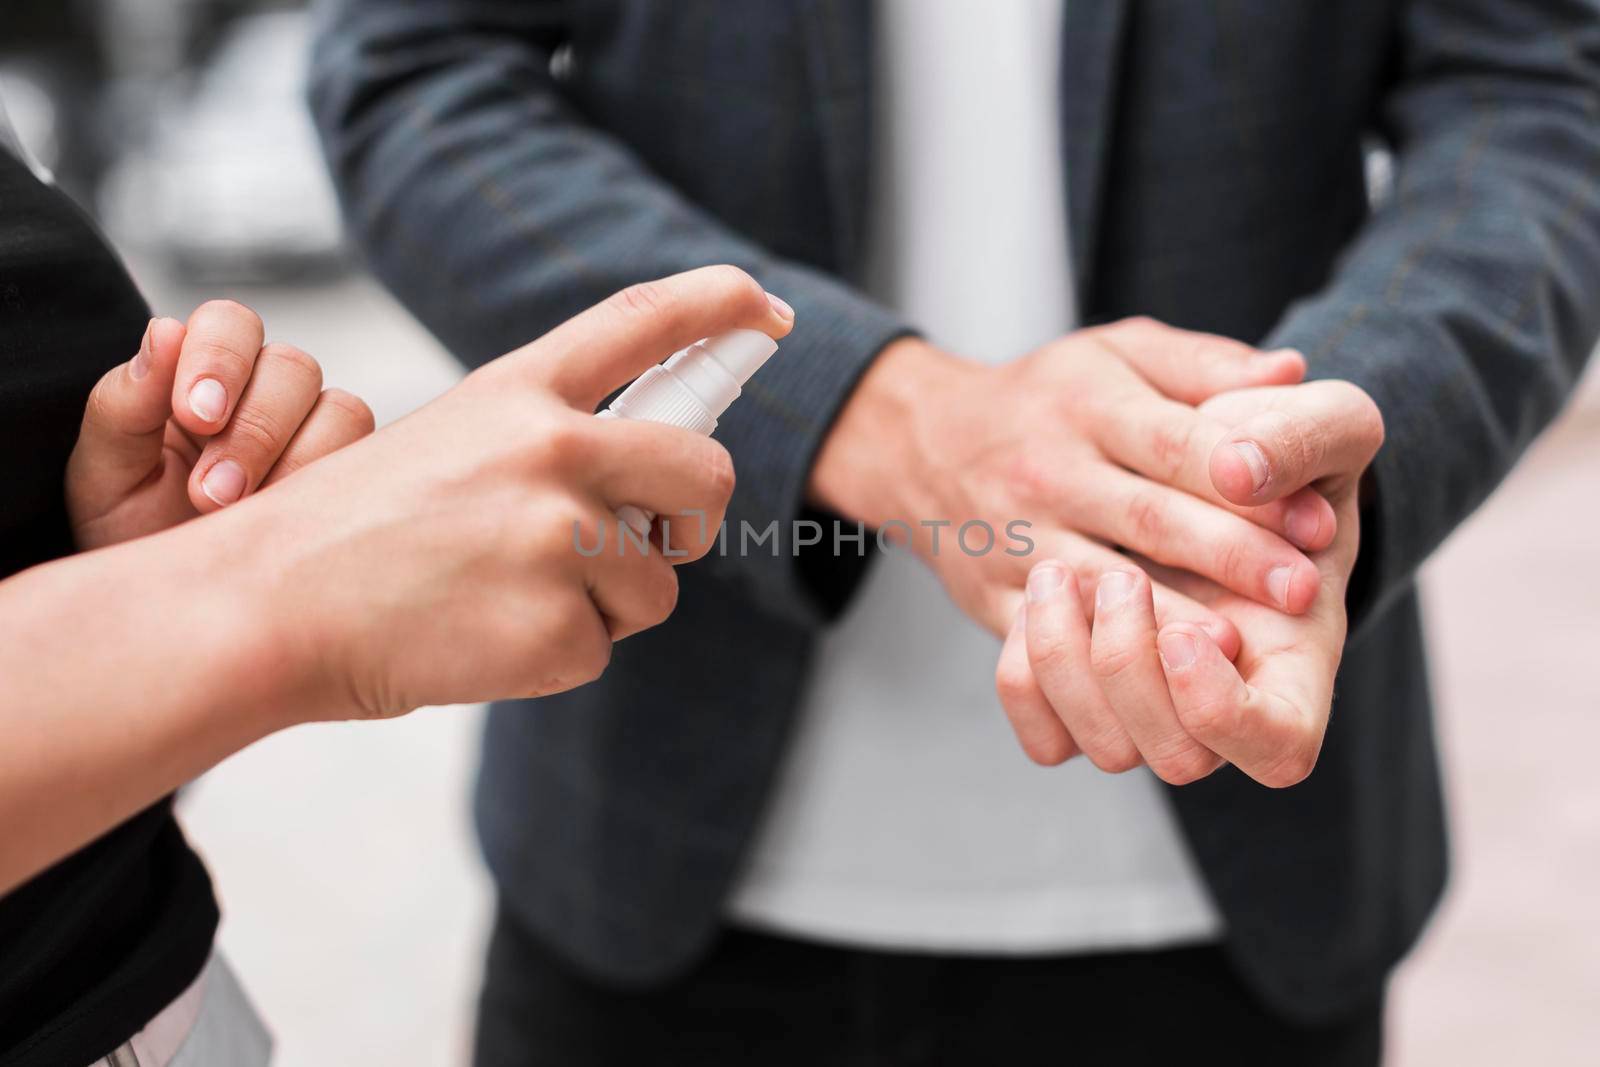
(691, 390)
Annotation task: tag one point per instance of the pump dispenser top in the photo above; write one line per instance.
(695, 386)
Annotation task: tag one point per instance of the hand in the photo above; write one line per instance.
(1130, 692)
(202, 416)
(1094, 441)
(435, 561)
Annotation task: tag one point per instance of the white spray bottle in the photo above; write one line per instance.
(691, 390)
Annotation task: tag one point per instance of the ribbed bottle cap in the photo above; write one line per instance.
(658, 396)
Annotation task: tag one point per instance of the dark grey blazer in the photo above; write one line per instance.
(507, 162)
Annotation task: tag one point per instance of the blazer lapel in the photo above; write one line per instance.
(1091, 53)
(838, 40)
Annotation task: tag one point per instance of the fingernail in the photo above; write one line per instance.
(1177, 650)
(1278, 585)
(224, 483)
(1302, 523)
(208, 399)
(1256, 460)
(781, 306)
(141, 359)
(1114, 588)
(1043, 582)
(1279, 353)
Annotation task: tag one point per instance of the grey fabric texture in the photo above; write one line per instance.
(505, 163)
(227, 1030)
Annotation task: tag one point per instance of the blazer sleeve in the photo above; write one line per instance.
(494, 211)
(1470, 301)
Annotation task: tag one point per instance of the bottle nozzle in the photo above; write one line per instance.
(740, 352)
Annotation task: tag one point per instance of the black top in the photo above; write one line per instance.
(94, 947)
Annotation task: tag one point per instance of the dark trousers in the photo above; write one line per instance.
(763, 1001)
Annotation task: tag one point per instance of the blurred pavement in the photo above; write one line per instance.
(355, 903)
(1509, 973)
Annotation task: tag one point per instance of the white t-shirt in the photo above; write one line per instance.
(12, 143)
(905, 814)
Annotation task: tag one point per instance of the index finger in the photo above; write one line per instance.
(610, 344)
(219, 352)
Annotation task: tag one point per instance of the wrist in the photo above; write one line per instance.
(254, 627)
(871, 465)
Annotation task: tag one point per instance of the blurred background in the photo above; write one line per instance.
(354, 900)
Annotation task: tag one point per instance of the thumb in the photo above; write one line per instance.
(1304, 434)
(125, 422)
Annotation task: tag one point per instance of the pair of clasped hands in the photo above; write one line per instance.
(432, 562)
(1194, 507)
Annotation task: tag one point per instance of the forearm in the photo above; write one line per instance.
(125, 673)
(1466, 307)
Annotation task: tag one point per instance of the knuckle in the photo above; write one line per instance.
(1375, 425)
(1171, 442)
(1030, 478)
(214, 355)
(1148, 520)
(663, 596)
(252, 432)
(559, 513)
(1013, 683)
(295, 360)
(1049, 651)
(1190, 763)
(1112, 661)
(1234, 565)
(642, 300)
(593, 659)
(1293, 768)
(561, 443)
(1313, 447)
(1047, 748)
(571, 648)
(1112, 751)
(1365, 414)
(1133, 324)
(717, 475)
(541, 532)
(737, 283)
(1220, 353)
(225, 308)
(1289, 441)
(99, 408)
(1216, 717)
(1303, 441)
(352, 407)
